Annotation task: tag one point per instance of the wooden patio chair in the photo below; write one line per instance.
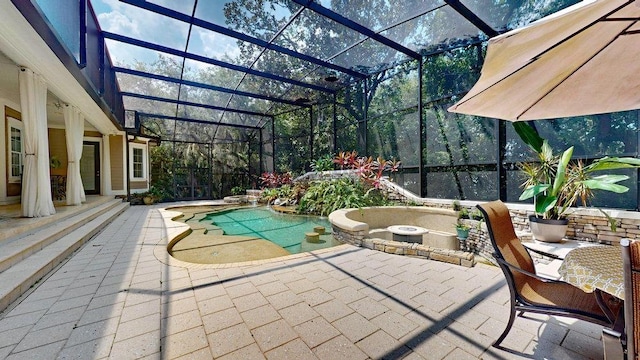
(631, 265)
(529, 291)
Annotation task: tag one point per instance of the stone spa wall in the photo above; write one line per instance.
(366, 227)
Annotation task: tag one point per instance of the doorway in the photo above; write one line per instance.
(90, 167)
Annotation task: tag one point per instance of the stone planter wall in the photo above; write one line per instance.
(589, 225)
(584, 225)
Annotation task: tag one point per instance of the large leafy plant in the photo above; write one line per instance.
(324, 197)
(370, 170)
(324, 163)
(556, 182)
(273, 180)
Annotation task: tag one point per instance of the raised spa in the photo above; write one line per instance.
(429, 226)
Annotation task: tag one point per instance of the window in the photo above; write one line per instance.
(138, 169)
(138, 161)
(15, 150)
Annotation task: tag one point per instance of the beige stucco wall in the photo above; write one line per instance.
(117, 162)
(58, 148)
(137, 185)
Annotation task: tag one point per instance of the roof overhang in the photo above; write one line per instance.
(21, 43)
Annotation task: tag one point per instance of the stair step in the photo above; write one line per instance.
(22, 226)
(17, 279)
(18, 248)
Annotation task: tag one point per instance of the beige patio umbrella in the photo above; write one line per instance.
(582, 60)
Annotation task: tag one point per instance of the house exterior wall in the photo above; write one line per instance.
(22, 44)
(58, 148)
(116, 150)
(144, 183)
(139, 185)
(9, 191)
(118, 153)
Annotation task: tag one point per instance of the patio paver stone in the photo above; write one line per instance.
(121, 296)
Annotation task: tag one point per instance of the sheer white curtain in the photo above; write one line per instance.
(74, 130)
(36, 184)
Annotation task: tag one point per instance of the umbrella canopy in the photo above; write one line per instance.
(582, 60)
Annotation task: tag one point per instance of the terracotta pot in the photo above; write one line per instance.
(548, 230)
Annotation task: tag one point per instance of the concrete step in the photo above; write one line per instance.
(18, 226)
(21, 275)
(21, 246)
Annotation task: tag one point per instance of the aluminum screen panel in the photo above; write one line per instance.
(378, 15)
(222, 47)
(314, 35)
(430, 31)
(260, 19)
(512, 14)
(370, 56)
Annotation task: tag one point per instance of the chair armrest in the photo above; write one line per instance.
(525, 272)
(614, 344)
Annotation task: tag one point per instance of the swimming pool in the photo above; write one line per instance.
(287, 231)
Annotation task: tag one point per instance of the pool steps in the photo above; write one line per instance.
(198, 227)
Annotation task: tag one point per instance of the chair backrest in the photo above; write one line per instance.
(631, 265)
(504, 239)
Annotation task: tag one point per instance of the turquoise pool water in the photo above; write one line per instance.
(284, 230)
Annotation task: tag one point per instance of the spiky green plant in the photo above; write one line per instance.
(556, 183)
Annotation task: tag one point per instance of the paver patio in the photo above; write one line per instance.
(115, 299)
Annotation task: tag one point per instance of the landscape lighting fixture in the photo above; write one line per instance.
(331, 78)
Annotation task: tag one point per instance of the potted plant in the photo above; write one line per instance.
(148, 199)
(476, 215)
(462, 230)
(556, 183)
(152, 196)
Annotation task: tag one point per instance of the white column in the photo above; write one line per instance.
(125, 168)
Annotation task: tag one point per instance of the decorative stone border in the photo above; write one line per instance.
(456, 257)
(357, 233)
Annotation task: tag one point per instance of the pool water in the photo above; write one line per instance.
(287, 231)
